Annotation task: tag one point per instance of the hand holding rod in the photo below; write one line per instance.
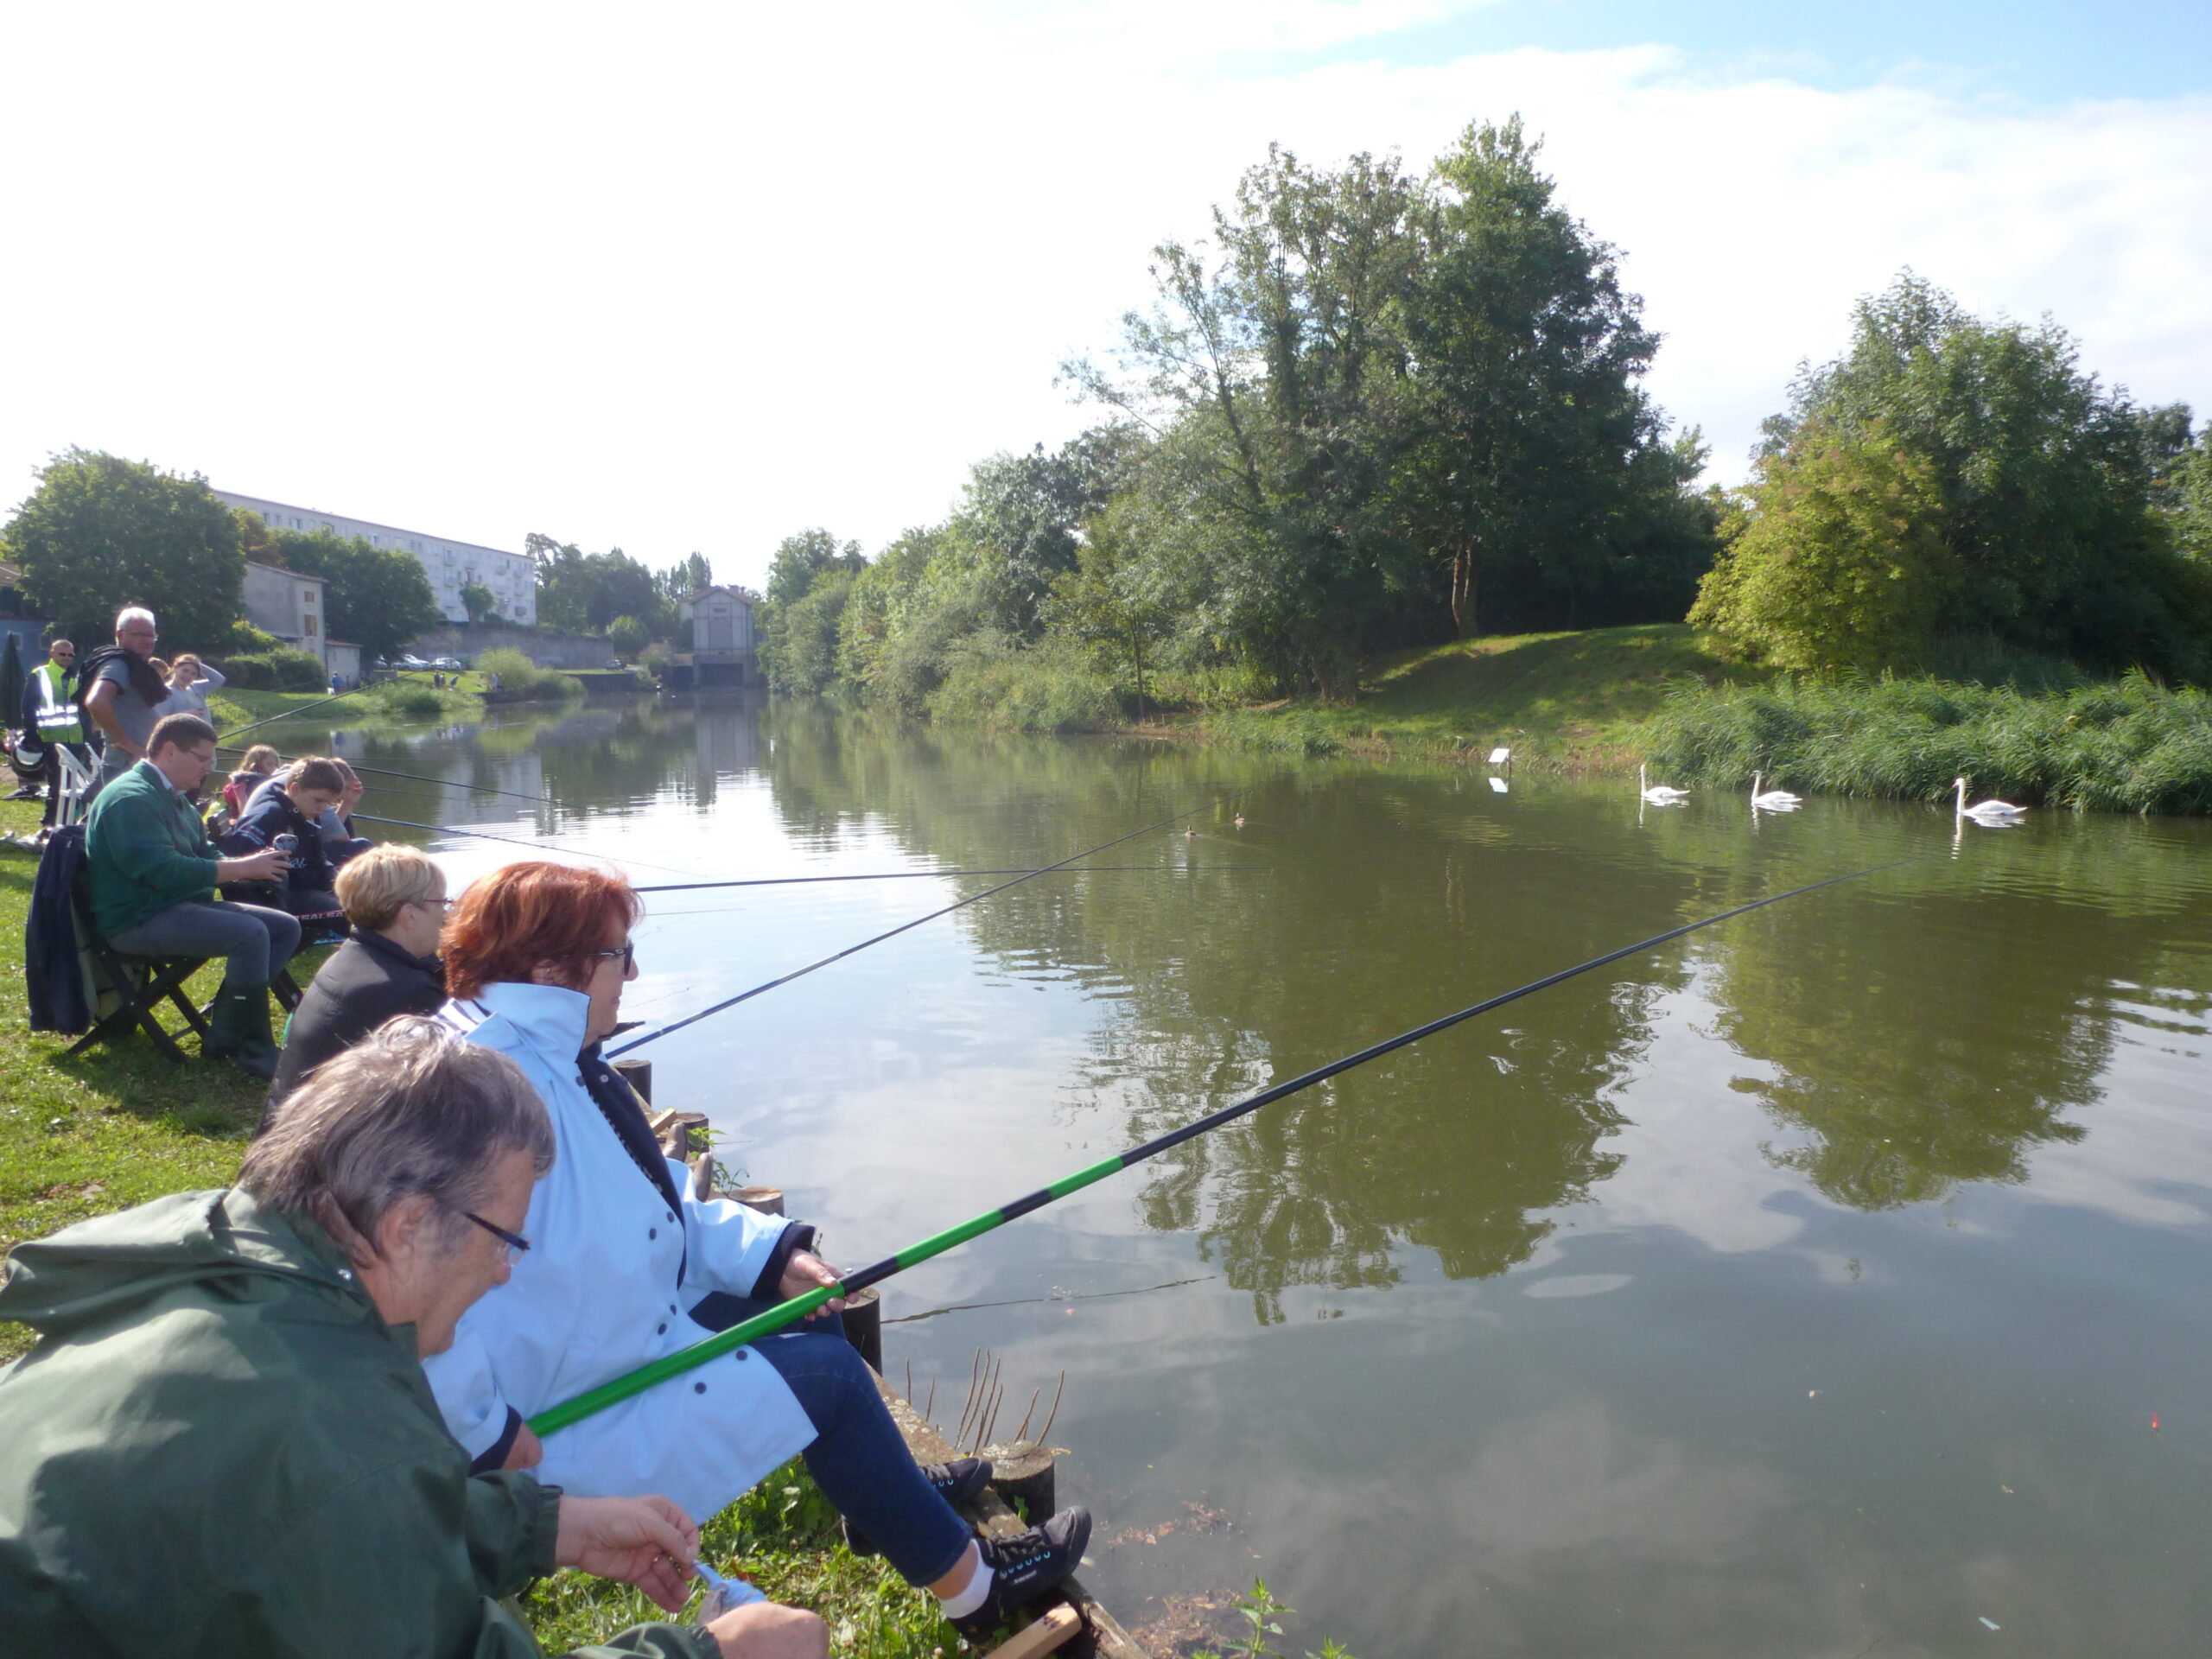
(560, 1416)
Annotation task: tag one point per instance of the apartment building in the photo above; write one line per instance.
(451, 565)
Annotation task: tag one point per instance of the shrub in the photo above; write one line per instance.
(278, 670)
(1048, 688)
(520, 678)
(411, 699)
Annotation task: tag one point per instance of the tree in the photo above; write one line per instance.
(800, 653)
(1838, 563)
(679, 581)
(376, 597)
(627, 635)
(800, 559)
(1112, 599)
(584, 592)
(1540, 464)
(100, 532)
(478, 601)
(2043, 479)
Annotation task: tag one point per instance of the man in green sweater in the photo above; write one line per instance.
(223, 1445)
(154, 872)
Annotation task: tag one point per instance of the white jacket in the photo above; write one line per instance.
(596, 1295)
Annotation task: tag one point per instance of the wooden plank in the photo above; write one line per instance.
(1041, 1636)
(994, 1519)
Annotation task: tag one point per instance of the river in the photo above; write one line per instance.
(1832, 1281)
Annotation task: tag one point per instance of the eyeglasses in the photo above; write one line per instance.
(626, 950)
(515, 1242)
(436, 904)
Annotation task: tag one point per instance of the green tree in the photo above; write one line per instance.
(584, 592)
(1541, 467)
(376, 597)
(2043, 479)
(800, 559)
(100, 532)
(476, 599)
(627, 635)
(680, 581)
(1838, 562)
(800, 654)
(1113, 600)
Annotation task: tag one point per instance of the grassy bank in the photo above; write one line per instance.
(1570, 702)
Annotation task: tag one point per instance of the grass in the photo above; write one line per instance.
(115, 1128)
(1575, 702)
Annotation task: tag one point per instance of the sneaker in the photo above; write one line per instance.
(959, 1483)
(1025, 1568)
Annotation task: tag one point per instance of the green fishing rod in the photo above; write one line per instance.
(556, 1417)
(891, 933)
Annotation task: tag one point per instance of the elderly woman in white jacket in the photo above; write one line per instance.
(627, 1263)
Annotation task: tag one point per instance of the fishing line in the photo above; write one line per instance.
(911, 875)
(892, 933)
(516, 841)
(630, 1383)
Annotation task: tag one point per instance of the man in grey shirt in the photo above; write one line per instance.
(124, 696)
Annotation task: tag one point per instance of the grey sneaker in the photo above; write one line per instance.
(1026, 1566)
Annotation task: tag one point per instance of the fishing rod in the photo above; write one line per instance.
(416, 777)
(892, 933)
(622, 1387)
(240, 730)
(513, 841)
(914, 875)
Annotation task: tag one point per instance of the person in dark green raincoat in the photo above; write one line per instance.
(223, 1446)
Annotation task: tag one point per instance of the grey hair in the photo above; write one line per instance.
(134, 613)
(412, 1110)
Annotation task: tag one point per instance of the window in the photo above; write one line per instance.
(310, 627)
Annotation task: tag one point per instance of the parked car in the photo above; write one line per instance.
(450, 664)
(410, 660)
(614, 662)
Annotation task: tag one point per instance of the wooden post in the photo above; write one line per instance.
(638, 1074)
(864, 1326)
(1025, 1471)
(768, 1200)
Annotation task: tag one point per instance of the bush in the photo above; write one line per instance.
(2131, 745)
(278, 670)
(1048, 688)
(655, 659)
(520, 678)
(411, 699)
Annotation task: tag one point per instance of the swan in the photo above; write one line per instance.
(1774, 800)
(1988, 812)
(1659, 794)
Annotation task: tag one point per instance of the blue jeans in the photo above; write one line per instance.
(857, 1457)
(254, 941)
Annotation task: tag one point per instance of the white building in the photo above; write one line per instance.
(289, 606)
(722, 636)
(450, 564)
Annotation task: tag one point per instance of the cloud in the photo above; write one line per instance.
(701, 276)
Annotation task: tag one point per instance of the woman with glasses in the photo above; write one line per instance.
(396, 900)
(627, 1263)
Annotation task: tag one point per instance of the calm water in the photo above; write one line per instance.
(1827, 1283)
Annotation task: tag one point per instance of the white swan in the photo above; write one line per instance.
(1987, 812)
(1774, 800)
(1659, 794)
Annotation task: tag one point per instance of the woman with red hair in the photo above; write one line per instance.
(628, 1263)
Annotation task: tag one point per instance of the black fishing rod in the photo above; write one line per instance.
(916, 876)
(514, 840)
(622, 1387)
(891, 933)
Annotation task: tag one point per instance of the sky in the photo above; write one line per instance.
(694, 277)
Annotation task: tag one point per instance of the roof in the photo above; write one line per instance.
(295, 575)
(737, 594)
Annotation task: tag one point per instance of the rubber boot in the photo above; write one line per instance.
(238, 1030)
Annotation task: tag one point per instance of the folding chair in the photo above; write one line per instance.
(131, 988)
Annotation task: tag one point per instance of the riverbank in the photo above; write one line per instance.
(1609, 699)
(1568, 702)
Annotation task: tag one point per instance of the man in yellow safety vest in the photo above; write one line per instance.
(50, 710)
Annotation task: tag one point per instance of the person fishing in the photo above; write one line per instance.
(630, 1264)
(313, 787)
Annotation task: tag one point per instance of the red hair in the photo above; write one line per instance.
(528, 916)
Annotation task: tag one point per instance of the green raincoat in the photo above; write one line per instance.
(220, 1449)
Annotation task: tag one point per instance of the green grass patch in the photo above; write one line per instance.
(1576, 700)
(2133, 745)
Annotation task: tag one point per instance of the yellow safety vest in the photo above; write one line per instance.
(58, 721)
